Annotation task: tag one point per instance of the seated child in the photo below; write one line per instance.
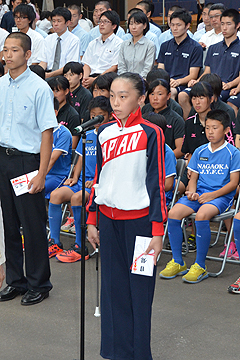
(158, 94)
(215, 175)
(60, 161)
(161, 74)
(67, 115)
(79, 96)
(72, 189)
(170, 159)
(101, 85)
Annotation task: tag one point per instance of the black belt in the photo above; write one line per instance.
(12, 151)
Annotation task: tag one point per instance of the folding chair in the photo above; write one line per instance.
(180, 168)
(219, 219)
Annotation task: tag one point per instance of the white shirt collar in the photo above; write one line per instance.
(218, 149)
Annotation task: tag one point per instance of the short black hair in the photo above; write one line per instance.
(75, 7)
(59, 83)
(45, 15)
(174, 8)
(74, 66)
(134, 10)
(183, 15)
(104, 81)
(149, 6)
(113, 17)
(208, 5)
(24, 38)
(201, 88)
(1, 69)
(157, 74)
(56, 104)
(215, 81)
(100, 102)
(159, 82)
(140, 18)
(156, 119)
(104, 3)
(232, 13)
(25, 10)
(218, 6)
(62, 11)
(219, 115)
(37, 69)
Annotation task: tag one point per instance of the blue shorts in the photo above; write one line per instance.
(78, 187)
(53, 182)
(180, 88)
(222, 203)
(235, 100)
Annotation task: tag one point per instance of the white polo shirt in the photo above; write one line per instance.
(3, 34)
(37, 46)
(100, 56)
(69, 49)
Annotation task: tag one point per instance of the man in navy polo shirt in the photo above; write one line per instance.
(181, 56)
(223, 59)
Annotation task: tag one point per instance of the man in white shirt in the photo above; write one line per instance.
(77, 30)
(101, 55)
(101, 7)
(215, 35)
(24, 15)
(60, 47)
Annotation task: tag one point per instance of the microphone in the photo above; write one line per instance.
(89, 124)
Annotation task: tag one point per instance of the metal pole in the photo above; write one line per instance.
(83, 228)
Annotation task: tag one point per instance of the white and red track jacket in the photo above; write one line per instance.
(130, 172)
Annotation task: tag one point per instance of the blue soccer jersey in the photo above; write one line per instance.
(170, 170)
(91, 151)
(214, 168)
(62, 140)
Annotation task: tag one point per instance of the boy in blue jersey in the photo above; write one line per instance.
(60, 161)
(72, 189)
(215, 175)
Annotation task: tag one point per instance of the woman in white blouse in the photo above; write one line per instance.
(137, 54)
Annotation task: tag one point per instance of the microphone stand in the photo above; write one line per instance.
(83, 240)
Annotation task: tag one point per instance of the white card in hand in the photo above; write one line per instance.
(142, 264)
(20, 183)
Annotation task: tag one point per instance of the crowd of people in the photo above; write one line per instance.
(163, 95)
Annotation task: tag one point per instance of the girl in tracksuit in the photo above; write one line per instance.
(130, 175)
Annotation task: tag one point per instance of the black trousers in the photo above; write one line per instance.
(126, 298)
(29, 211)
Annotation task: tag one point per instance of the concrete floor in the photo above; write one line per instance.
(190, 322)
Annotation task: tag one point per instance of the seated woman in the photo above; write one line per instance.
(138, 54)
(158, 94)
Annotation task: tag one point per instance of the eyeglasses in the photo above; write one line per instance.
(215, 16)
(104, 22)
(20, 17)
